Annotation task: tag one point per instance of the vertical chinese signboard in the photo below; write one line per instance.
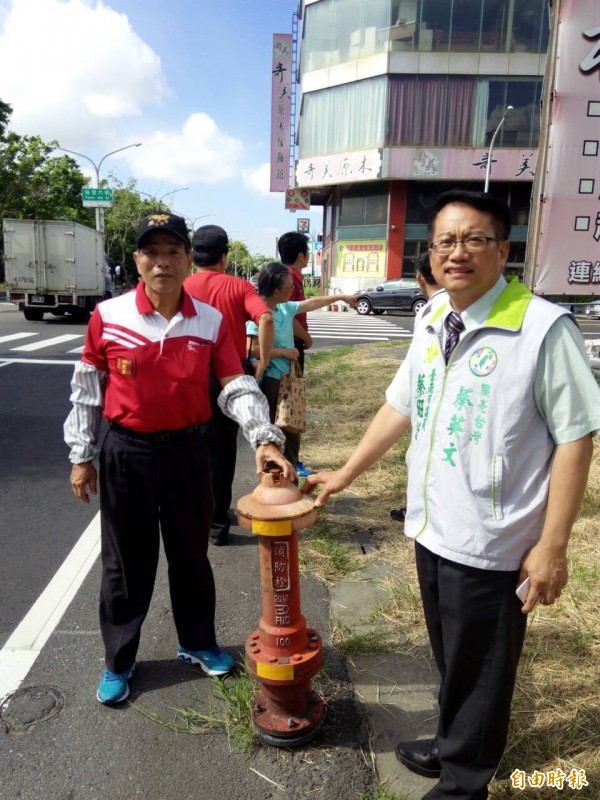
(281, 111)
(564, 238)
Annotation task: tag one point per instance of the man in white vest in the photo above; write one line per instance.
(502, 404)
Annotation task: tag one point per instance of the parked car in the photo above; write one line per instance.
(399, 294)
(593, 309)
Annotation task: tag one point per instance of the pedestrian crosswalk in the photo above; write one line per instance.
(352, 327)
(38, 343)
(323, 325)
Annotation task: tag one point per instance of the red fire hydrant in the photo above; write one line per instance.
(283, 653)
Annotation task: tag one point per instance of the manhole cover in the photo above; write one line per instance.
(26, 707)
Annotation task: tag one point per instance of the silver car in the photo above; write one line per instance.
(593, 309)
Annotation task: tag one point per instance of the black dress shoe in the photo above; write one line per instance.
(420, 757)
(218, 534)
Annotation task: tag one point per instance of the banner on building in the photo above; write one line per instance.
(361, 165)
(564, 241)
(281, 111)
(361, 259)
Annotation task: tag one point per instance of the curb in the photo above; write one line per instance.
(397, 690)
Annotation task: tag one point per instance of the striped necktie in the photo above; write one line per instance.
(454, 326)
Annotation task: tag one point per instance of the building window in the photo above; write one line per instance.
(521, 127)
(364, 205)
(462, 112)
(343, 118)
(336, 31)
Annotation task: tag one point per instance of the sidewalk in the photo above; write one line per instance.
(398, 692)
(91, 752)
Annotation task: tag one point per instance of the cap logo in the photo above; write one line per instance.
(155, 220)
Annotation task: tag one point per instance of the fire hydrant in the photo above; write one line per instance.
(283, 654)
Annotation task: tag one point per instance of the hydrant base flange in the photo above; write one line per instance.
(275, 727)
(296, 741)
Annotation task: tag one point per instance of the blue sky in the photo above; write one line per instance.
(189, 79)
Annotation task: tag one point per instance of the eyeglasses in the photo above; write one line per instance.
(472, 244)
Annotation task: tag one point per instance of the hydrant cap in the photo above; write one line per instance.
(275, 498)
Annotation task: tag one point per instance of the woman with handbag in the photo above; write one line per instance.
(282, 383)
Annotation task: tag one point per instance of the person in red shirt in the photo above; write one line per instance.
(145, 367)
(238, 301)
(295, 254)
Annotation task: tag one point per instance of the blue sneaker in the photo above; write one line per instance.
(214, 661)
(302, 471)
(114, 688)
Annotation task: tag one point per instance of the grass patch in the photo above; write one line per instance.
(383, 793)
(353, 643)
(323, 554)
(230, 713)
(556, 707)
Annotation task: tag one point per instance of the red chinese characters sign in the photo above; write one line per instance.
(280, 568)
(281, 112)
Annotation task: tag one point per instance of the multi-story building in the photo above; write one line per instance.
(399, 100)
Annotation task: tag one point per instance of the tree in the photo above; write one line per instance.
(34, 185)
(239, 260)
(120, 223)
(259, 260)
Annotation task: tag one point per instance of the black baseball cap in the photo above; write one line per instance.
(210, 239)
(162, 221)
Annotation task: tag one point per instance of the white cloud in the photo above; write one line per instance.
(83, 76)
(259, 180)
(199, 153)
(71, 68)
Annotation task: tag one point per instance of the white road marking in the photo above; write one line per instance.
(25, 644)
(76, 350)
(354, 336)
(12, 336)
(37, 361)
(367, 329)
(28, 348)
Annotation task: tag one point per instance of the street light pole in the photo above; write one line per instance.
(99, 210)
(488, 166)
(166, 194)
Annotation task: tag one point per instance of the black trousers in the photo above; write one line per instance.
(270, 389)
(299, 345)
(148, 489)
(476, 630)
(222, 444)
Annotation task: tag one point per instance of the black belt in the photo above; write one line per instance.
(158, 436)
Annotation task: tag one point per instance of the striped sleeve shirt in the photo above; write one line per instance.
(147, 374)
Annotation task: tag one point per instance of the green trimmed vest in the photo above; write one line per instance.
(479, 460)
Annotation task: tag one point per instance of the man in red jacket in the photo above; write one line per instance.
(238, 301)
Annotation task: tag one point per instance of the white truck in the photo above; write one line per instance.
(53, 266)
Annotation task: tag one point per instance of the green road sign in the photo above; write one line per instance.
(97, 198)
